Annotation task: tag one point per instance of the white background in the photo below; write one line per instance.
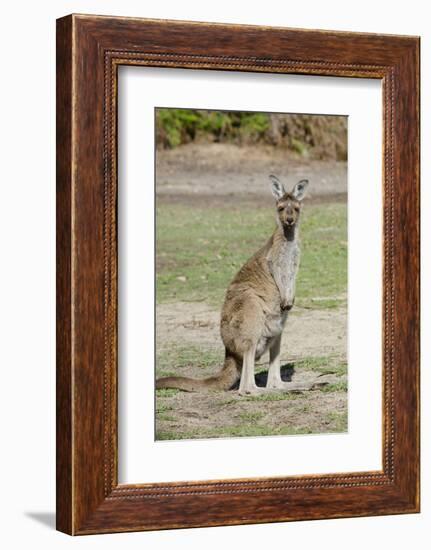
(27, 275)
(141, 458)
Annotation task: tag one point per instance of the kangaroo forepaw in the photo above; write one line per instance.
(287, 305)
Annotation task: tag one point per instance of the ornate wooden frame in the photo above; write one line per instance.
(89, 51)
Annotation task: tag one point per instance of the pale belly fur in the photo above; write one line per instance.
(274, 325)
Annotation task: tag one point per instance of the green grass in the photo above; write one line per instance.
(252, 424)
(166, 393)
(162, 407)
(336, 386)
(337, 420)
(232, 431)
(252, 415)
(323, 365)
(172, 359)
(167, 417)
(199, 250)
(247, 416)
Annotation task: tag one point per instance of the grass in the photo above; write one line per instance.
(337, 386)
(170, 360)
(337, 419)
(323, 365)
(160, 406)
(250, 417)
(166, 393)
(199, 250)
(228, 415)
(232, 431)
(252, 424)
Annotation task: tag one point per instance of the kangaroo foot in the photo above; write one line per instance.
(322, 380)
(279, 385)
(290, 386)
(251, 390)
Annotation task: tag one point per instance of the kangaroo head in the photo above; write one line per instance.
(288, 205)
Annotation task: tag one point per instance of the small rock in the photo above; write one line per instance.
(182, 278)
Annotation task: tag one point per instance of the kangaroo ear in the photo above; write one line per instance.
(277, 187)
(299, 190)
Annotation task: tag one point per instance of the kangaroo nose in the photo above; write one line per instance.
(289, 220)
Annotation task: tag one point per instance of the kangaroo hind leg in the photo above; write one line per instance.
(274, 377)
(247, 385)
(275, 382)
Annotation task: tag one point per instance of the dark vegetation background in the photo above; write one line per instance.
(314, 136)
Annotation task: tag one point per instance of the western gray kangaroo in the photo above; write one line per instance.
(256, 306)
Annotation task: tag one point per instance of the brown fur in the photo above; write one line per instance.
(256, 303)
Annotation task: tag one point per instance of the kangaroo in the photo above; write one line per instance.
(256, 307)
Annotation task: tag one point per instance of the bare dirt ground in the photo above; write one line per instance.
(228, 170)
(308, 333)
(314, 341)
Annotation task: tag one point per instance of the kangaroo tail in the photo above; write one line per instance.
(226, 378)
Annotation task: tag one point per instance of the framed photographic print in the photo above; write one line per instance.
(237, 274)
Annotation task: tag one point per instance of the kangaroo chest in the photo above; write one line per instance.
(284, 265)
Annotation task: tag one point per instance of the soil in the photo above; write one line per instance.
(308, 333)
(201, 170)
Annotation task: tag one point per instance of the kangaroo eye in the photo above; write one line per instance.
(280, 208)
(296, 208)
